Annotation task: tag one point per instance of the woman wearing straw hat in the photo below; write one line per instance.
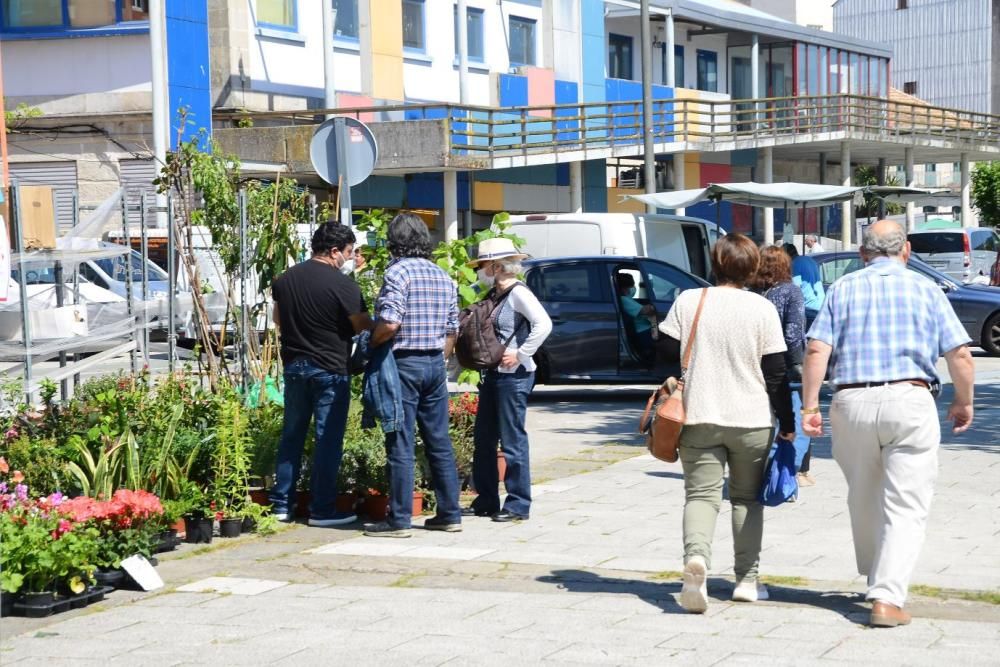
(503, 391)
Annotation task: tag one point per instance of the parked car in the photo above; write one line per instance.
(977, 306)
(680, 240)
(591, 340)
(967, 255)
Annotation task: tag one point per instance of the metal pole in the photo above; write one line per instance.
(450, 205)
(313, 212)
(847, 208)
(671, 77)
(880, 180)
(60, 302)
(144, 252)
(648, 154)
(329, 25)
(161, 110)
(910, 182)
(15, 216)
(129, 292)
(172, 287)
(244, 324)
(340, 132)
(767, 153)
(76, 281)
(754, 78)
(966, 191)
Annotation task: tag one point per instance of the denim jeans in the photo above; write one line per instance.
(424, 384)
(803, 443)
(311, 392)
(503, 405)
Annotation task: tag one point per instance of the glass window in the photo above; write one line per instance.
(986, 240)
(812, 70)
(939, 242)
(522, 41)
(863, 67)
(474, 34)
(800, 66)
(619, 56)
(855, 75)
(708, 71)
(664, 284)
(58, 14)
(838, 268)
(413, 24)
(576, 282)
(824, 71)
(280, 13)
(347, 18)
(678, 66)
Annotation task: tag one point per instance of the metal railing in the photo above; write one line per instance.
(481, 132)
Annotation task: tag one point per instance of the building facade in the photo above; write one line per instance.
(547, 118)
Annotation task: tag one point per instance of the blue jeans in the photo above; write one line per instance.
(424, 384)
(802, 441)
(311, 392)
(503, 406)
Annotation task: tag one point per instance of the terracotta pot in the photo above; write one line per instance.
(418, 503)
(179, 527)
(376, 506)
(501, 465)
(259, 496)
(346, 502)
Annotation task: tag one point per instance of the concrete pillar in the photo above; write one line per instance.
(966, 191)
(910, 182)
(463, 52)
(767, 155)
(847, 208)
(679, 177)
(670, 78)
(754, 72)
(576, 187)
(450, 205)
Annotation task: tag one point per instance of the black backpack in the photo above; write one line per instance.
(477, 346)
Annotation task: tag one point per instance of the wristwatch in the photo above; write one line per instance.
(810, 411)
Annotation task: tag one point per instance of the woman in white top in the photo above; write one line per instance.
(734, 381)
(503, 392)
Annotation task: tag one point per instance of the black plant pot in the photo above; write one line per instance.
(249, 525)
(38, 605)
(112, 578)
(6, 603)
(167, 541)
(230, 527)
(197, 530)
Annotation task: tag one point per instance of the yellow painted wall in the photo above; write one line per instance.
(692, 171)
(688, 117)
(487, 196)
(627, 206)
(387, 49)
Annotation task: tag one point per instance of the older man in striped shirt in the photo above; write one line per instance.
(882, 330)
(418, 311)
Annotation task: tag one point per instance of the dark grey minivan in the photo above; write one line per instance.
(592, 339)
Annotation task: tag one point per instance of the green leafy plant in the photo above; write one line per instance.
(231, 461)
(986, 192)
(867, 175)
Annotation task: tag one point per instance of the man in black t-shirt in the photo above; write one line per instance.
(318, 308)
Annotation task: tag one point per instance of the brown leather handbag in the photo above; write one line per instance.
(663, 426)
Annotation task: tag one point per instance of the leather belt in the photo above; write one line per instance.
(869, 385)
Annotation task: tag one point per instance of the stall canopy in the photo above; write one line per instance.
(922, 196)
(770, 195)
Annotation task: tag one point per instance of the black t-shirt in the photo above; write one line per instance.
(315, 301)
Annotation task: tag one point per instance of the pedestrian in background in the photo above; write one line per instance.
(418, 312)
(881, 331)
(639, 315)
(734, 383)
(813, 245)
(317, 309)
(503, 391)
(774, 282)
(806, 274)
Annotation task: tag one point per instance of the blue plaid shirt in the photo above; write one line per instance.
(420, 297)
(886, 323)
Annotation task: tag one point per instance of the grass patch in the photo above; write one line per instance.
(666, 575)
(777, 580)
(984, 597)
(406, 581)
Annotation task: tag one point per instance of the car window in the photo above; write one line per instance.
(573, 282)
(938, 242)
(835, 269)
(641, 289)
(666, 283)
(984, 240)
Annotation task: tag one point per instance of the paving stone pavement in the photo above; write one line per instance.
(590, 579)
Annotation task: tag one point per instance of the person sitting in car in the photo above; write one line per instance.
(637, 315)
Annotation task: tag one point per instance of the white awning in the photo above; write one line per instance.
(770, 195)
(922, 196)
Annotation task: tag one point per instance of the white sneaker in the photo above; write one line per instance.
(283, 517)
(694, 593)
(749, 590)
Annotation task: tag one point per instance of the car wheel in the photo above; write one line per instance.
(991, 335)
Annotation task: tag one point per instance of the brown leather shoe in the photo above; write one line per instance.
(885, 615)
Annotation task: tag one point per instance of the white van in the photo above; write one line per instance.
(679, 240)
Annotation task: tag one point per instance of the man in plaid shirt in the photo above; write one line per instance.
(882, 330)
(417, 310)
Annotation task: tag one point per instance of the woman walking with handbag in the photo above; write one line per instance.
(774, 283)
(734, 380)
(522, 324)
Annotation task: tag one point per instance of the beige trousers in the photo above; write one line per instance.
(885, 440)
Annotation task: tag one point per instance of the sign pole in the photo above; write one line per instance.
(340, 134)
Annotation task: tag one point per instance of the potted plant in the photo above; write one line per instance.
(193, 507)
(231, 468)
(372, 475)
(348, 474)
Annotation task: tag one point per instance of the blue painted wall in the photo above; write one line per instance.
(595, 186)
(513, 90)
(380, 192)
(188, 66)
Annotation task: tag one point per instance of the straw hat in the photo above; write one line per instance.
(496, 248)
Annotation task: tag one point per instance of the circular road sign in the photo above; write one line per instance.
(359, 150)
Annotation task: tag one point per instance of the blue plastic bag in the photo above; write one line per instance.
(779, 484)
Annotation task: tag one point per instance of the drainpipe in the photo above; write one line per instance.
(463, 96)
(966, 191)
(671, 78)
(754, 75)
(329, 25)
(767, 153)
(161, 110)
(649, 157)
(847, 208)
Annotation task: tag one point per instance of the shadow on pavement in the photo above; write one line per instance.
(663, 473)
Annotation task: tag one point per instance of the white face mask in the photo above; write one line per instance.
(486, 279)
(347, 268)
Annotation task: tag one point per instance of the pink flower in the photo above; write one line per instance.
(4, 468)
(10, 434)
(21, 491)
(17, 477)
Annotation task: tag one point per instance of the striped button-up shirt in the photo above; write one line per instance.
(886, 323)
(422, 299)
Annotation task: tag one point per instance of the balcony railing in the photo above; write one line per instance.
(487, 132)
